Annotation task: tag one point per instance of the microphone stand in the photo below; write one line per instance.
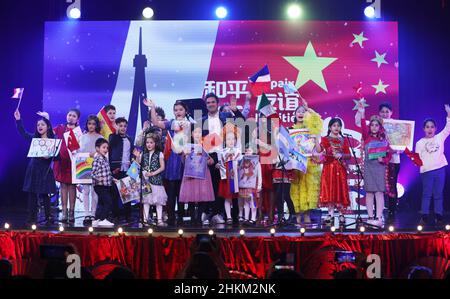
(358, 221)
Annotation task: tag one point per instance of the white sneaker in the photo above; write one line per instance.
(218, 219)
(205, 222)
(95, 223)
(161, 223)
(105, 223)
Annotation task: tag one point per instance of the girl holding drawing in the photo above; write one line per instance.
(87, 145)
(250, 184)
(305, 187)
(63, 167)
(196, 186)
(377, 155)
(152, 163)
(39, 181)
(334, 192)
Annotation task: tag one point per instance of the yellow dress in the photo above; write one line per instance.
(305, 187)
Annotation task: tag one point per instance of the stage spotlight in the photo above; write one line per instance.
(302, 231)
(210, 232)
(180, 232)
(419, 228)
(391, 228)
(369, 11)
(33, 227)
(272, 232)
(75, 13)
(148, 13)
(447, 227)
(362, 229)
(150, 231)
(90, 229)
(120, 230)
(61, 228)
(242, 232)
(7, 226)
(333, 229)
(294, 11)
(221, 12)
(400, 190)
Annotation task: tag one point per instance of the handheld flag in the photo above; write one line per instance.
(72, 142)
(232, 176)
(265, 107)
(167, 147)
(415, 158)
(17, 94)
(106, 125)
(133, 171)
(260, 81)
(289, 88)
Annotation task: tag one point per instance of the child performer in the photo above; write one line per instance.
(108, 126)
(305, 187)
(102, 181)
(334, 192)
(249, 195)
(230, 153)
(153, 166)
(87, 145)
(431, 151)
(63, 167)
(39, 181)
(196, 191)
(120, 155)
(377, 155)
(174, 168)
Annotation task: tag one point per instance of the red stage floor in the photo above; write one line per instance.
(163, 257)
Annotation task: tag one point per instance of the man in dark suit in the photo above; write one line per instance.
(213, 123)
(120, 153)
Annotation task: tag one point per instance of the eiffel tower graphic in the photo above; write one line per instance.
(139, 91)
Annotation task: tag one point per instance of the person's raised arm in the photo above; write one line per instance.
(154, 119)
(20, 128)
(363, 129)
(446, 131)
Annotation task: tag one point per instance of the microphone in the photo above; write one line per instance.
(348, 135)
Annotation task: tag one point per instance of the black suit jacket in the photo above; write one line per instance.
(116, 150)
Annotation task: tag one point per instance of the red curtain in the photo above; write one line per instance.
(163, 257)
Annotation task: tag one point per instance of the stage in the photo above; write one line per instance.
(163, 254)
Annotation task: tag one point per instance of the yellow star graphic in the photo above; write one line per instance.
(380, 87)
(379, 59)
(359, 39)
(310, 67)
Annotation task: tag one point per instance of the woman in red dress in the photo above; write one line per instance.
(334, 191)
(63, 167)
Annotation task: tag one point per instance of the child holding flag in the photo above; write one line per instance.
(195, 190)
(39, 181)
(228, 161)
(63, 166)
(377, 155)
(107, 118)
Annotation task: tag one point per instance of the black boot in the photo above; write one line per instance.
(439, 220)
(423, 220)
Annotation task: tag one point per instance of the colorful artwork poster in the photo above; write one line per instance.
(400, 133)
(195, 161)
(82, 168)
(304, 142)
(44, 147)
(247, 171)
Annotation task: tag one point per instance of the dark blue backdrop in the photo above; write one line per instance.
(424, 47)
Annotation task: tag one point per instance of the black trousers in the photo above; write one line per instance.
(173, 192)
(105, 201)
(392, 198)
(216, 207)
(283, 194)
(33, 206)
(116, 203)
(196, 210)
